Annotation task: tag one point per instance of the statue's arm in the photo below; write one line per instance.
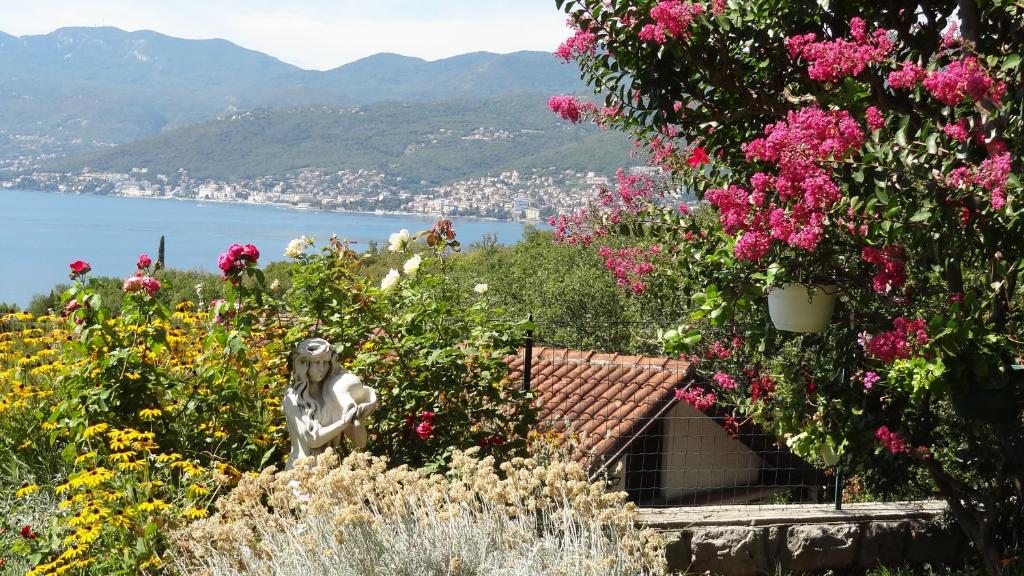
(315, 434)
(367, 408)
(319, 436)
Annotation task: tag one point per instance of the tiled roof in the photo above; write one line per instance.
(605, 400)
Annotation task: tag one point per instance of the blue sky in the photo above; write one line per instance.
(317, 34)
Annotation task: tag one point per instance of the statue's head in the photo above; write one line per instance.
(313, 361)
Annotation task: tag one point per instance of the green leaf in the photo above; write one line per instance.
(921, 215)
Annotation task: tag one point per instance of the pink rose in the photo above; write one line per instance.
(144, 261)
(236, 251)
(152, 285)
(133, 284)
(70, 307)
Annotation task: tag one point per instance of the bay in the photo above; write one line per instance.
(42, 232)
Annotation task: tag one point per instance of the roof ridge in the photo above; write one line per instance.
(595, 358)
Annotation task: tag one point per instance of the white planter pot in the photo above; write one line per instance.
(794, 308)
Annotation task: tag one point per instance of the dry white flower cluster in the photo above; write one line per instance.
(358, 517)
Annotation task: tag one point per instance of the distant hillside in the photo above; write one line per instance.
(435, 142)
(77, 88)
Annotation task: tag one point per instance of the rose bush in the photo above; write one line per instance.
(863, 144)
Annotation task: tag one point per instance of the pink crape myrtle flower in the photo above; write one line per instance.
(965, 78)
(582, 42)
(907, 77)
(630, 265)
(898, 344)
(697, 397)
(803, 147)
(875, 119)
(569, 108)
(892, 441)
(831, 61)
(724, 381)
(957, 131)
(672, 18)
(991, 175)
(892, 269)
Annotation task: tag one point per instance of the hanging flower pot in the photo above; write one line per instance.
(796, 307)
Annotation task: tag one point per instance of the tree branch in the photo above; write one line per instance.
(970, 27)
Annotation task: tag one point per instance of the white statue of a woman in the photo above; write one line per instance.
(324, 401)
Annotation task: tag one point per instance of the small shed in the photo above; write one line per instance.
(618, 416)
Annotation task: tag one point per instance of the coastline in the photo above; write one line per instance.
(420, 215)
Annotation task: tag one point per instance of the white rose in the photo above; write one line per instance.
(275, 284)
(480, 288)
(389, 280)
(398, 241)
(412, 265)
(296, 247)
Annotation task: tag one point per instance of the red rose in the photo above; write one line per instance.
(26, 532)
(144, 261)
(79, 267)
(225, 262)
(425, 430)
(250, 253)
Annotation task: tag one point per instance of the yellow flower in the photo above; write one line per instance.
(90, 478)
(26, 490)
(95, 429)
(196, 490)
(122, 456)
(150, 413)
(152, 505)
(90, 455)
(169, 457)
(130, 466)
(153, 562)
(196, 513)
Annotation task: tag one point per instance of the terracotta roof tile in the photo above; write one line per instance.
(604, 399)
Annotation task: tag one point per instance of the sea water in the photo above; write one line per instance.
(42, 232)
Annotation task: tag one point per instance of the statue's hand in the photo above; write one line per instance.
(352, 413)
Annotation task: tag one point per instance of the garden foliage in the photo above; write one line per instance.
(118, 428)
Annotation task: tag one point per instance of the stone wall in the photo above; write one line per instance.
(753, 540)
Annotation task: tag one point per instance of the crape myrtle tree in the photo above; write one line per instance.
(871, 145)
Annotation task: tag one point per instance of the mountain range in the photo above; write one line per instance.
(109, 86)
(109, 100)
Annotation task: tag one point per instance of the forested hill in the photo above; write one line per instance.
(78, 88)
(435, 142)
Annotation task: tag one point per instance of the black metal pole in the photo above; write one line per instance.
(528, 357)
(839, 488)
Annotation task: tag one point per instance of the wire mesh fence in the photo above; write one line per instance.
(618, 415)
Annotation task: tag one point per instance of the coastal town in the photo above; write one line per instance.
(526, 196)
